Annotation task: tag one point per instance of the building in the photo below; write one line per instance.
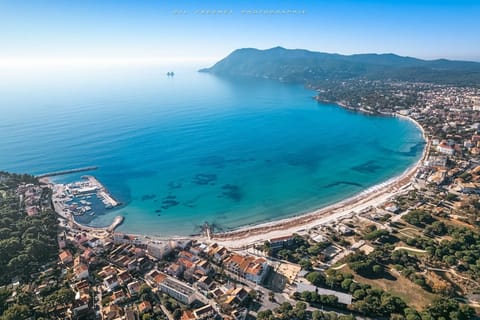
(205, 312)
(66, 257)
(280, 242)
(445, 148)
(81, 271)
(159, 249)
(110, 282)
(178, 290)
(133, 287)
(144, 306)
(217, 253)
(118, 296)
(248, 267)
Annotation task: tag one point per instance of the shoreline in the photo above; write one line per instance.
(373, 196)
(261, 231)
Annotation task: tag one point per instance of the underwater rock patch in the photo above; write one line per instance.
(204, 178)
(148, 197)
(367, 167)
(233, 192)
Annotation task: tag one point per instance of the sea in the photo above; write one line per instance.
(182, 150)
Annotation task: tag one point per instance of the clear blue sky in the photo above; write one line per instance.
(70, 29)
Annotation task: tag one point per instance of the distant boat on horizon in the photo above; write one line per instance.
(170, 74)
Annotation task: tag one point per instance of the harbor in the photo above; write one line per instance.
(84, 197)
(82, 200)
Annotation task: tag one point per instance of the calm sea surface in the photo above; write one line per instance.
(193, 148)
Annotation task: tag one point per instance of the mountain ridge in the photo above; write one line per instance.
(304, 66)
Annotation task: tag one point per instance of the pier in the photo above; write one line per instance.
(116, 222)
(63, 172)
(102, 192)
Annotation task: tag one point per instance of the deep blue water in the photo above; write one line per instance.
(196, 147)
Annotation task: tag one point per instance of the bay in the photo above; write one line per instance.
(182, 150)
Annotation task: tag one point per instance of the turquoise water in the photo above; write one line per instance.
(193, 148)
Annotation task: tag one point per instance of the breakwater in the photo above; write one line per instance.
(64, 172)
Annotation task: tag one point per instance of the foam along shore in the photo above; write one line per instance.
(372, 197)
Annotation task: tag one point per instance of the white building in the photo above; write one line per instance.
(445, 148)
(159, 249)
(178, 290)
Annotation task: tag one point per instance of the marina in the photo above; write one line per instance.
(84, 197)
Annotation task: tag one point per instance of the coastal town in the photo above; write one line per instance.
(409, 249)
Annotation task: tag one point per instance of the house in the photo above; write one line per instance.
(66, 257)
(468, 188)
(112, 312)
(205, 312)
(280, 242)
(178, 290)
(205, 283)
(118, 296)
(248, 267)
(175, 269)
(239, 294)
(445, 148)
(187, 315)
(61, 241)
(133, 287)
(391, 207)
(144, 306)
(131, 314)
(217, 253)
(94, 242)
(436, 161)
(87, 254)
(187, 255)
(108, 271)
(81, 271)
(120, 238)
(124, 277)
(159, 249)
(79, 260)
(82, 298)
(110, 282)
(32, 211)
(187, 264)
(204, 266)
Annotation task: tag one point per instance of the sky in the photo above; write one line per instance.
(111, 31)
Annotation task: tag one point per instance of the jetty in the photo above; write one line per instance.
(116, 222)
(102, 192)
(64, 172)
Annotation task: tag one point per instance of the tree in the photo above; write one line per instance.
(306, 264)
(265, 315)
(445, 308)
(65, 296)
(16, 312)
(377, 268)
(315, 278)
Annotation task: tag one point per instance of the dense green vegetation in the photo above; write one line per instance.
(375, 302)
(418, 218)
(26, 243)
(299, 251)
(306, 67)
